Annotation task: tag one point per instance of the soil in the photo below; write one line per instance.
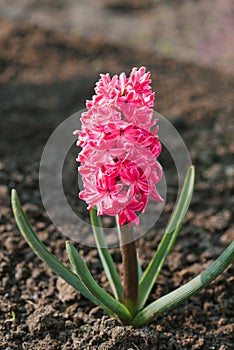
(45, 77)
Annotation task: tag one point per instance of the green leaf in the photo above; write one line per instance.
(106, 259)
(139, 268)
(169, 301)
(151, 273)
(41, 251)
(84, 274)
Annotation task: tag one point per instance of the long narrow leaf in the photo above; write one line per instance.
(41, 251)
(179, 295)
(151, 273)
(84, 274)
(139, 268)
(106, 259)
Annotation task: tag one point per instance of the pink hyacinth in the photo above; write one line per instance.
(118, 160)
(135, 89)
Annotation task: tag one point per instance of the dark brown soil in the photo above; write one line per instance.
(44, 77)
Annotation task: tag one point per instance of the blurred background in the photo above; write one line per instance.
(192, 30)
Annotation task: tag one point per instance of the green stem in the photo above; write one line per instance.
(130, 270)
(106, 259)
(181, 294)
(139, 267)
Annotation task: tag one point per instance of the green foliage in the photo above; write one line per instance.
(82, 280)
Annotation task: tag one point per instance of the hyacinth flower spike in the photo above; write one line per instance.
(120, 171)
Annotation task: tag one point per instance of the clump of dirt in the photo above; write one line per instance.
(44, 78)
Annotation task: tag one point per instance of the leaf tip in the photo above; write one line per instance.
(14, 198)
(68, 244)
(13, 193)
